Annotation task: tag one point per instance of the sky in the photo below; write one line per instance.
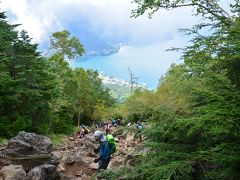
(113, 41)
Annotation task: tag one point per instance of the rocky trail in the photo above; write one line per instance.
(78, 154)
(69, 161)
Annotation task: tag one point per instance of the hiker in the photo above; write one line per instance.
(107, 129)
(98, 125)
(104, 150)
(138, 134)
(139, 125)
(81, 134)
(118, 121)
(114, 122)
(85, 128)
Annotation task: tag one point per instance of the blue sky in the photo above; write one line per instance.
(113, 41)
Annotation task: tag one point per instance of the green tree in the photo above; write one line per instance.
(79, 90)
(195, 130)
(90, 94)
(69, 47)
(208, 9)
(27, 87)
(64, 48)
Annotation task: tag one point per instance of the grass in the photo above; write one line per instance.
(57, 139)
(3, 141)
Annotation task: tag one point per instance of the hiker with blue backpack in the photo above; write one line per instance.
(138, 134)
(107, 147)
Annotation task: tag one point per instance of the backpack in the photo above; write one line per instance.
(112, 143)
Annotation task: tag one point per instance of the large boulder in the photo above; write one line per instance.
(46, 171)
(28, 144)
(28, 150)
(12, 172)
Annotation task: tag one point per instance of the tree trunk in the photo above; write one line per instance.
(78, 119)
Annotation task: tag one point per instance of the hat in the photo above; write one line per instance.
(100, 135)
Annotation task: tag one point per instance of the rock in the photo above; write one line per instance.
(4, 161)
(75, 149)
(29, 164)
(91, 145)
(12, 172)
(73, 159)
(61, 168)
(122, 151)
(87, 159)
(70, 146)
(90, 137)
(83, 177)
(79, 173)
(122, 136)
(119, 160)
(129, 137)
(78, 158)
(131, 144)
(70, 160)
(116, 139)
(57, 154)
(84, 146)
(93, 165)
(131, 159)
(46, 171)
(34, 147)
(61, 148)
(28, 143)
(91, 154)
(71, 138)
(117, 132)
(142, 149)
(65, 177)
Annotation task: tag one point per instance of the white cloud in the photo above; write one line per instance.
(112, 18)
(149, 62)
(109, 19)
(32, 17)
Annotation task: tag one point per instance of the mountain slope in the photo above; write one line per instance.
(119, 89)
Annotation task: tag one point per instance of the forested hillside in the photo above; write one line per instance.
(120, 89)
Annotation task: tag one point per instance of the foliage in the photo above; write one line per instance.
(118, 91)
(92, 98)
(207, 9)
(26, 85)
(195, 111)
(57, 139)
(80, 91)
(3, 141)
(64, 45)
(43, 94)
